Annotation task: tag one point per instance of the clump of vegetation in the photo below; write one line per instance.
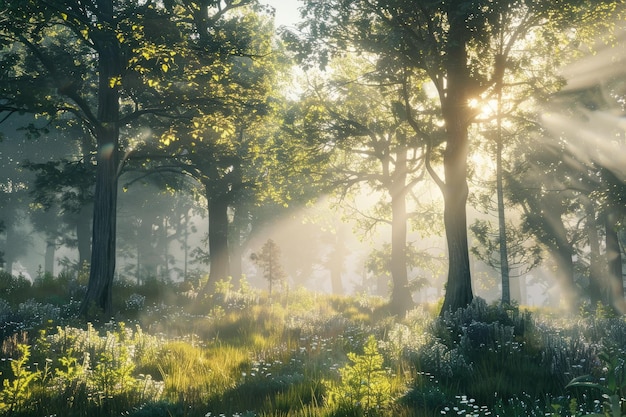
(365, 386)
(16, 393)
(307, 355)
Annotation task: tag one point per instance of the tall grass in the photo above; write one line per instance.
(305, 354)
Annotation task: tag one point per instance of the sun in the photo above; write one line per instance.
(488, 108)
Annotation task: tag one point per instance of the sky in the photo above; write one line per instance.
(286, 11)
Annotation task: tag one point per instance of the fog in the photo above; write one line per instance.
(164, 234)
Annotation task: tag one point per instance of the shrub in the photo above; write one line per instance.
(482, 350)
(15, 394)
(365, 387)
(610, 386)
(33, 314)
(15, 288)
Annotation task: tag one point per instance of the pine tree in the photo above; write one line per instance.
(269, 260)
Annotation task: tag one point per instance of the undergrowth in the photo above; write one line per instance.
(303, 354)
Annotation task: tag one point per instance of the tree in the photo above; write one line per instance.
(522, 254)
(66, 187)
(16, 208)
(107, 64)
(269, 260)
(233, 147)
(365, 129)
(584, 119)
(49, 78)
(569, 187)
(450, 41)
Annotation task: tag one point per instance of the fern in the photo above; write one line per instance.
(16, 393)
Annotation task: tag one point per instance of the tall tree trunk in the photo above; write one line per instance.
(596, 286)
(401, 299)
(504, 248)
(10, 255)
(185, 244)
(83, 234)
(165, 250)
(99, 293)
(49, 256)
(218, 237)
(614, 261)
(336, 262)
(564, 254)
(147, 258)
(236, 246)
(99, 290)
(456, 115)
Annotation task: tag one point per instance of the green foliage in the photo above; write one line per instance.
(365, 387)
(112, 374)
(268, 260)
(15, 289)
(290, 360)
(611, 386)
(488, 348)
(16, 394)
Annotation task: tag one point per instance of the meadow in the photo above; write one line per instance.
(236, 354)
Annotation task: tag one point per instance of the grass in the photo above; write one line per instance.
(304, 354)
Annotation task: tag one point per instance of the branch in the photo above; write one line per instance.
(413, 123)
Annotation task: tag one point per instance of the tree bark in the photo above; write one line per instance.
(236, 246)
(83, 234)
(49, 256)
(614, 261)
(401, 299)
(562, 252)
(504, 247)
(99, 293)
(218, 237)
(596, 286)
(100, 288)
(456, 115)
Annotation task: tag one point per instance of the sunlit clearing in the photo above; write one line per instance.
(316, 246)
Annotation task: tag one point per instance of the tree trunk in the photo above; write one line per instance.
(401, 299)
(563, 252)
(10, 254)
(455, 190)
(614, 260)
(218, 237)
(100, 287)
(335, 264)
(147, 258)
(7, 256)
(99, 293)
(236, 246)
(99, 290)
(165, 250)
(185, 244)
(48, 265)
(596, 286)
(336, 258)
(83, 234)
(504, 248)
